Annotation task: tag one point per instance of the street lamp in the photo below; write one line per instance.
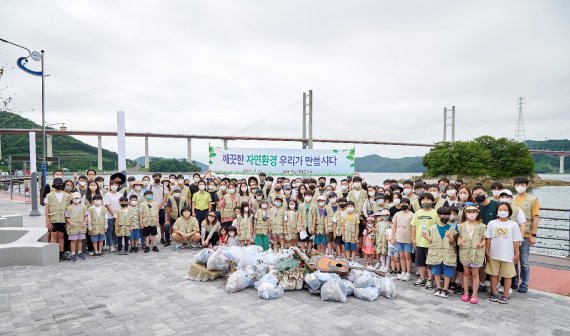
(21, 62)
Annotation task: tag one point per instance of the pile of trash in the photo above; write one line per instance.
(271, 274)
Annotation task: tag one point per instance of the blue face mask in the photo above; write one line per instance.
(148, 197)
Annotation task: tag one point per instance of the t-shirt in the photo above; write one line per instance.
(442, 229)
(403, 222)
(489, 211)
(389, 236)
(112, 199)
(202, 200)
(58, 195)
(421, 218)
(503, 235)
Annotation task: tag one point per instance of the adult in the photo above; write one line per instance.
(111, 202)
(186, 229)
(210, 230)
(201, 202)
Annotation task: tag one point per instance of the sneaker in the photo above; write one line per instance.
(155, 249)
(444, 293)
(523, 290)
(112, 248)
(400, 276)
(121, 252)
(452, 286)
(502, 290)
(437, 292)
(178, 247)
(81, 256)
(494, 298)
(503, 300)
(458, 290)
(73, 258)
(429, 284)
(146, 249)
(420, 283)
(474, 300)
(167, 243)
(465, 297)
(126, 253)
(406, 276)
(132, 250)
(162, 241)
(514, 285)
(63, 257)
(483, 289)
(91, 253)
(96, 254)
(100, 254)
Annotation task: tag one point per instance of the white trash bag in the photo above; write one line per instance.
(218, 262)
(368, 294)
(237, 281)
(365, 280)
(268, 291)
(349, 287)
(354, 274)
(389, 288)
(202, 256)
(313, 281)
(269, 277)
(333, 290)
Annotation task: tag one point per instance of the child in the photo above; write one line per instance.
(502, 250)
(392, 253)
(441, 253)
(381, 245)
(223, 237)
(123, 225)
(320, 224)
(136, 220)
(292, 223)
(349, 229)
(149, 219)
(76, 216)
(402, 237)
(277, 218)
(97, 224)
(454, 220)
(186, 229)
(232, 237)
(262, 226)
(331, 208)
(423, 220)
(307, 216)
(244, 224)
(471, 242)
(337, 228)
(369, 240)
(55, 204)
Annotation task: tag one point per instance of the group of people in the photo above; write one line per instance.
(455, 233)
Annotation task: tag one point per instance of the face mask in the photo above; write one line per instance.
(145, 183)
(124, 205)
(292, 206)
(451, 192)
(232, 233)
(426, 205)
(407, 191)
(244, 189)
(93, 188)
(442, 188)
(294, 185)
(321, 204)
(397, 201)
(463, 197)
(520, 189)
(172, 181)
(322, 184)
(444, 220)
(333, 185)
(333, 200)
(435, 194)
(211, 188)
(287, 192)
(264, 206)
(76, 200)
(246, 209)
(496, 193)
(311, 187)
(404, 207)
(148, 197)
(82, 183)
(277, 204)
(186, 214)
(356, 185)
(97, 202)
(223, 188)
(259, 198)
(202, 187)
(138, 188)
(134, 202)
(505, 200)
(308, 199)
(370, 225)
(385, 217)
(452, 218)
(471, 216)
(68, 188)
(157, 180)
(327, 192)
(232, 191)
(114, 187)
(180, 181)
(350, 210)
(503, 214)
(344, 187)
(480, 198)
(371, 193)
(196, 179)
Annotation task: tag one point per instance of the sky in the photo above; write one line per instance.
(379, 70)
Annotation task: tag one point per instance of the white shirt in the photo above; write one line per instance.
(389, 236)
(59, 196)
(112, 199)
(503, 235)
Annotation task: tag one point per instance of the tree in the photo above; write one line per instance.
(172, 165)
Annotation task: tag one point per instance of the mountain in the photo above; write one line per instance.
(140, 162)
(376, 163)
(75, 155)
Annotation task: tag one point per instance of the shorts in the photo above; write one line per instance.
(447, 271)
(392, 252)
(320, 239)
(369, 250)
(136, 234)
(500, 268)
(421, 256)
(338, 240)
(76, 236)
(97, 237)
(149, 231)
(58, 227)
(403, 247)
(474, 265)
(349, 246)
(278, 235)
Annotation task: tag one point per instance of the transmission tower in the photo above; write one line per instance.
(520, 134)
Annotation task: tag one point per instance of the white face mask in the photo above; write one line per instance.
(172, 181)
(496, 193)
(202, 187)
(134, 202)
(76, 200)
(292, 206)
(344, 187)
(520, 189)
(435, 194)
(223, 188)
(350, 210)
(371, 193)
(505, 199)
(308, 199)
(503, 214)
(407, 191)
(380, 201)
(471, 216)
(356, 185)
(145, 183)
(264, 206)
(177, 194)
(244, 189)
(333, 185)
(321, 204)
(97, 202)
(114, 187)
(82, 183)
(196, 179)
(180, 181)
(397, 201)
(246, 209)
(451, 192)
(232, 191)
(138, 188)
(232, 233)
(332, 200)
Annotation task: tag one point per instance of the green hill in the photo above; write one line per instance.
(140, 162)
(376, 163)
(75, 155)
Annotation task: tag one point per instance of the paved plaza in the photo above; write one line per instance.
(147, 294)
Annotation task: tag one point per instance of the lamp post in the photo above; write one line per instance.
(21, 62)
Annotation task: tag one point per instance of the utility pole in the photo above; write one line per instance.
(308, 111)
(446, 124)
(520, 133)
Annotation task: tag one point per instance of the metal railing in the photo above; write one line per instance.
(558, 244)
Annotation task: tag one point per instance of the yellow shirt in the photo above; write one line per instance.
(202, 200)
(424, 217)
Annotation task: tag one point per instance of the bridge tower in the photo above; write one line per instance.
(447, 117)
(520, 134)
(308, 112)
